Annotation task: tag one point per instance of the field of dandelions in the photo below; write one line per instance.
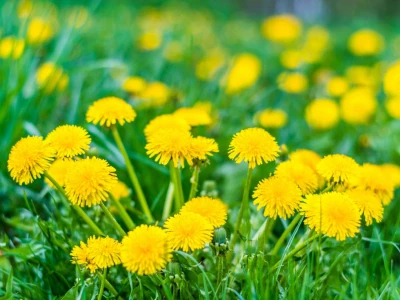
(175, 152)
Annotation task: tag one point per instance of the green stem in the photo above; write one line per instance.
(195, 181)
(103, 280)
(176, 179)
(122, 213)
(294, 251)
(112, 220)
(79, 210)
(132, 175)
(284, 235)
(109, 287)
(265, 234)
(243, 208)
(168, 202)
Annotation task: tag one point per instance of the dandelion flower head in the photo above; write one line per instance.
(368, 203)
(194, 116)
(322, 114)
(203, 147)
(338, 168)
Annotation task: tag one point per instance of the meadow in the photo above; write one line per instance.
(182, 151)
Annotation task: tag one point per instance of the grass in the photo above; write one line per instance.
(38, 230)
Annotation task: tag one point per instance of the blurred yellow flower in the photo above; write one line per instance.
(292, 83)
(58, 171)
(391, 80)
(366, 42)
(337, 86)
(271, 118)
(213, 210)
(134, 85)
(291, 59)
(188, 231)
(24, 8)
(145, 250)
(155, 94)
(339, 168)
(29, 158)
(358, 105)
(317, 41)
(120, 190)
(110, 110)
(168, 121)
(50, 78)
(392, 171)
(333, 214)
(322, 114)
(149, 41)
(69, 140)
(302, 175)
(361, 76)
(209, 65)
(393, 107)
(39, 31)
(281, 28)
(306, 157)
(173, 52)
(89, 181)
(280, 197)
(368, 203)
(11, 47)
(245, 71)
(254, 146)
(203, 147)
(194, 116)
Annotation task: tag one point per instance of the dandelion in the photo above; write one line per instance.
(333, 214)
(188, 231)
(162, 122)
(69, 140)
(393, 107)
(361, 76)
(391, 80)
(104, 252)
(89, 181)
(58, 171)
(11, 47)
(253, 145)
(213, 210)
(110, 110)
(272, 118)
(208, 66)
(282, 29)
(39, 31)
(337, 86)
(366, 42)
(134, 85)
(306, 157)
(392, 172)
(291, 59)
(50, 78)
(155, 94)
(194, 116)
(145, 250)
(280, 197)
(149, 41)
(338, 168)
(29, 158)
(80, 256)
(358, 105)
(322, 114)
(368, 203)
(203, 147)
(302, 175)
(292, 83)
(169, 144)
(120, 190)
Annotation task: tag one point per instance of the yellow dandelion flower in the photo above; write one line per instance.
(120, 190)
(104, 252)
(337, 86)
(302, 175)
(391, 80)
(393, 107)
(358, 105)
(338, 168)
(373, 178)
(50, 78)
(209, 65)
(366, 42)
(203, 147)
(282, 29)
(333, 214)
(194, 116)
(79, 256)
(306, 157)
(29, 158)
(11, 47)
(145, 250)
(69, 140)
(149, 41)
(170, 121)
(188, 231)
(271, 118)
(368, 203)
(89, 181)
(291, 59)
(322, 114)
(39, 31)
(361, 76)
(254, 146)
(213, 210)
(392, 172)
(280, 197)
(58, 171)
(292, 83)
(110, 110)
(134, 85)
(169, 144)
(155, 94)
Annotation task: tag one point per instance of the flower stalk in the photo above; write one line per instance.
(195, 181)
(112, 220)
(122, 212)
(176, 179)
(103, 280)
(285, 234)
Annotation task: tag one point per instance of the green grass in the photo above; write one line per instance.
(38, 231)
